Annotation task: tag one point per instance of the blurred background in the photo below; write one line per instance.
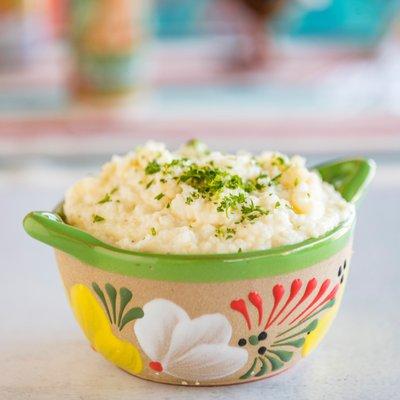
(80, 79)
(83, 79)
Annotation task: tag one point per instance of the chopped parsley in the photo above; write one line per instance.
(97, 218)
(252, 212)
(225, 233)
(234, 182)
(192, 143)
(189, 200)
(152, 168)
(258, 183)
(277, 204)
(229, 233)
(107, 196)
(198, 146)
(211, 182)
(276, 178)
(153, 231)
(279, 160)
(207, 180)
(150, 183)
(193, 196)
(177, 162)
(105, 199)
(231, 202)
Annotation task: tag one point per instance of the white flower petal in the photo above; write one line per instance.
(155, 329)
(207, 329)
(208, 361)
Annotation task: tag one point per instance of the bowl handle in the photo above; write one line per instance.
(49, 228)
(349, 177)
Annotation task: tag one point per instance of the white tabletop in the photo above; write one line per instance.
(45, 356)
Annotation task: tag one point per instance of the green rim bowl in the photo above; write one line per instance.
(206, 319)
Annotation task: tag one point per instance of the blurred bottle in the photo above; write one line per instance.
(24, 29)
(256, 16)
(57, 15)
(106, 38)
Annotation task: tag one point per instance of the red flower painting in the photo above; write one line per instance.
(282, 326)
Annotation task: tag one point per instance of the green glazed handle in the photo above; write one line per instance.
(50, 228)
(349, 177)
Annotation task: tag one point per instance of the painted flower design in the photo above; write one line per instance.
(96, 323)
(315, 337)
(291, 320)
(190, 349)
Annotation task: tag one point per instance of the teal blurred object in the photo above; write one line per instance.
(180, 18)
(361, 22)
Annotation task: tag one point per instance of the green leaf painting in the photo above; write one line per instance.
(115, 303)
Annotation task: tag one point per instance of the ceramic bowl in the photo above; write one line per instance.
(206, 319)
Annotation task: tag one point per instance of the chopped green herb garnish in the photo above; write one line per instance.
(226, 233)
(150, 183)
(174, 163)
(208, 181)
(251, 212)
(159, 196)
(192, 143)
(105, 199)
(234, 182)
(152, 168)
(278, 160)
(218, 231)
(213, 183)
(193, 196)
(258, 183)
(231, 202)
(97, 218)
(178, 162)
(230, 233)
(276, 178)
(169, 205)
(277, 204)
(107, 196)
(153, 231)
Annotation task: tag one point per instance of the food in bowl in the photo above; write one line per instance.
(210, 318)
(197, 201)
